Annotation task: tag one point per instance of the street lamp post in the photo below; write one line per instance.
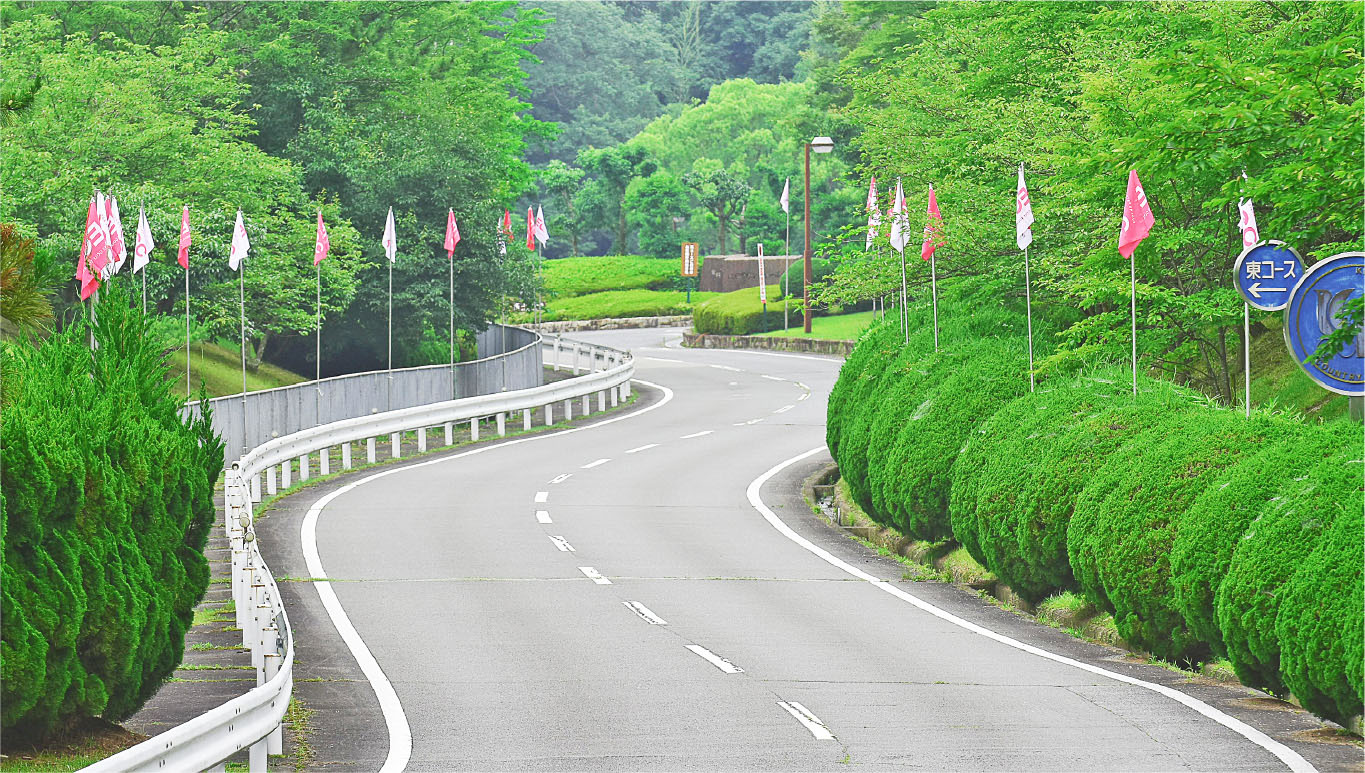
(821, 145)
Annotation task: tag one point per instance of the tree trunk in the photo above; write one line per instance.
(724, 221)
(743, 236)
(621, 247)
(253, 364)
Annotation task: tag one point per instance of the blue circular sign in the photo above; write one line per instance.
(1266, 273)
(1312, 314)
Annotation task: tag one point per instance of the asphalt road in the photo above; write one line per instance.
(612, 599)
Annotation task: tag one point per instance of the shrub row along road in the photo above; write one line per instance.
(621, 597)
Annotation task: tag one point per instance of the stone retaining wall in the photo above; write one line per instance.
(806, 345)
(619, 323)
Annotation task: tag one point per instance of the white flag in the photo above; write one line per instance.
(900, 221)
(390, 240)
(142, 250)
(784, 201)
(240, 245)
(116, 235)
(1023, 213)
(1250, 234)
(762, 277)
(542, 235)
(874, 214)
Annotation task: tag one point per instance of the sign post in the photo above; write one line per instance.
(689, 264)
(762, 283)
(1265, 273)
(1310, 315)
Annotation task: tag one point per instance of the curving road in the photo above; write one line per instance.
(622, 598)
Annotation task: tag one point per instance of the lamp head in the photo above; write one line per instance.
(822, 144)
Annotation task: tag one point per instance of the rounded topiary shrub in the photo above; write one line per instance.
(1119, 541)
(985, 375)
(1221, 513)
(874, 340)
(1322, 615)
(104, 518)
(1275, 546)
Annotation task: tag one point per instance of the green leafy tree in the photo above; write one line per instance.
(602, 200)
(559, 183)
(653, 206)
(720, 194)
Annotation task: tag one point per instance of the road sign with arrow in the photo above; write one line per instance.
(1266, 272)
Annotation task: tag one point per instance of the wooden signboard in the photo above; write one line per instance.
(689, 259)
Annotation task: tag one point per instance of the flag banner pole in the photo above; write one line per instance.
(1246, 352)
(317, 356)
(905, 301)
(389, 394)
(933, 279)
(786, 271)
(241, 300)
(187, 333)
(144, 291)
(454, 393)
(1132, 274)
(1028, 308)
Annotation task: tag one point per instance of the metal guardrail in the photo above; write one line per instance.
(252, 720)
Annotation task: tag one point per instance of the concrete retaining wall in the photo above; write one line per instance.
(806, 345)
(618, 323)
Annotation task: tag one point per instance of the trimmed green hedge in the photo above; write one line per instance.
(1277, 543)
(738, 313)
(1119, 540)
(873, 341)
(567, 277)
(1322, 651)
(107, 502)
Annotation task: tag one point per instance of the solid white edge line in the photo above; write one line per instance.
(645, 613)
(696, 434)
(645, 447)
(665, 359)
(774, 378)
(400, 733)
(715, 660)
(1288, 756)
(808, 720)
(542, 497)
(543, 516)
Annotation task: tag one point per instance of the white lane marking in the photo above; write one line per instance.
(542, 496)
(395, 720)
(784, 409)
(644, 447)
(562, 478)
(543, 516)
(562, 544)
(696, 434)
(754, 421)
(644, 613)
(811, 722)
(665, 359)
(803, 386)
(726, 367)
(774, 378)
(715, 660)
(804, 396)
(594, 575)
(734, 383)
(597, 463)
(740, 423)
(1288, 756)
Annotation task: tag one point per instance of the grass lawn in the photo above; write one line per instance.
(841, 327)
(621, 303)
(220, 369)
(568, 277)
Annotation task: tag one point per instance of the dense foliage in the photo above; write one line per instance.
(739, 312)
(104, 514)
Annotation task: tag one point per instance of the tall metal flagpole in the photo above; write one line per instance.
(1246, 353)
(1132, 274)
(1028, 308)
(905, 300)
(241, 300)
(389, 396)
(933, 279)
(786, 272)
(452, 327)
(187, 332)
(317, 357)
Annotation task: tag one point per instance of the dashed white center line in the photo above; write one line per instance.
(740, 423)
(715, 660)
(754, 421)
(645, 447)
(784, 409)
(811, 722)
(774, 378)
(543, 516)
(594, 575)
(734, 383)
(542, 496)
(562, 478)
(562, 544)
(664, 359)
(644, 613)
(696, 434)
(726, 367)
(804, 396)
(597, 463)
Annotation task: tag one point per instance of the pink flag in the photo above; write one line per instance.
(322, 244)
(102, 256)
(933, 228)
(530, 230)
(117, 248)
(452, 235)
(1250, 234)
(1137, 217)
(184, 256)
(89, 280)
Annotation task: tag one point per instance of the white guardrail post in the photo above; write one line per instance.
(253, 721)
